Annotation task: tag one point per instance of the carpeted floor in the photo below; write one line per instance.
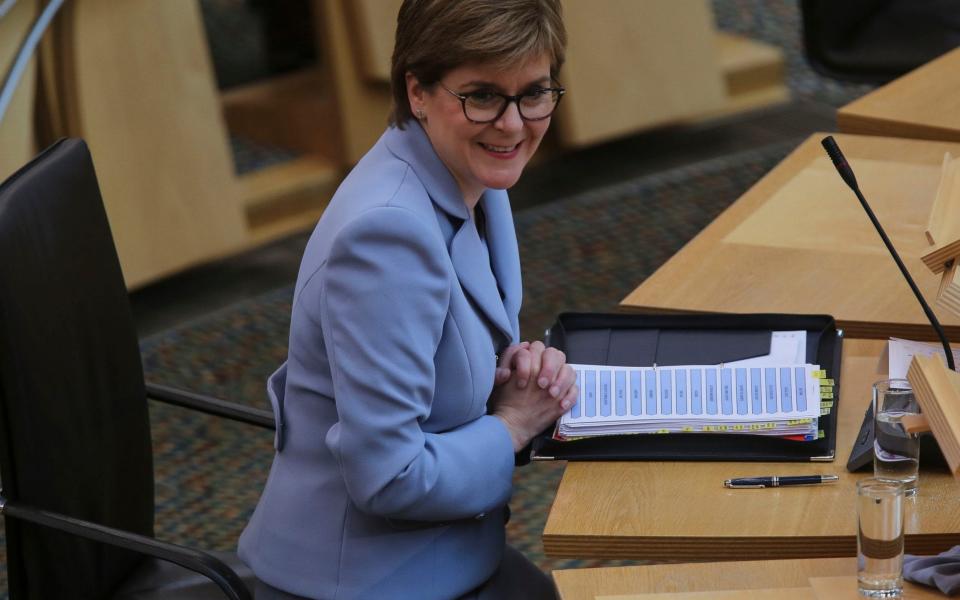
(583, 252)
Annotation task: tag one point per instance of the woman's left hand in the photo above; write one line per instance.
(547, 365)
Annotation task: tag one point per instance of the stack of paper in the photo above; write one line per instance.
(774, 400)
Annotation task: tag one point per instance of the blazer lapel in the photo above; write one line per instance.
(474, 266)
(504, 258)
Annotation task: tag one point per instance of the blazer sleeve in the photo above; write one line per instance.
(385, 299)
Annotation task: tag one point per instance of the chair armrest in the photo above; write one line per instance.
(194, 560)
(211, 405)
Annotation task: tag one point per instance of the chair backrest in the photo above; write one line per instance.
(74, 427)
(874, 41)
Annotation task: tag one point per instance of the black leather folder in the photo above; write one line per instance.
(640, 340)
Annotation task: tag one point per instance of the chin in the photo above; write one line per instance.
(500, 182)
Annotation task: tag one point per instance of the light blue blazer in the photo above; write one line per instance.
(390, 480)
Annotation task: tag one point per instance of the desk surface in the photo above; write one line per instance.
(799, 242)
(680, 511)
(923, 104)
(629, 582)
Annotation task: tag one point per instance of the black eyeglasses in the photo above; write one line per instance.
(484, 106)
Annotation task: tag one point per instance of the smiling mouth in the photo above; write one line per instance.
(500, 149)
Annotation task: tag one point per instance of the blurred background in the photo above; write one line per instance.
(220, 129)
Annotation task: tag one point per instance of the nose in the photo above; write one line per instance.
(510, 120)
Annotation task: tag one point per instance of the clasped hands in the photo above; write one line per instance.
(533, 386)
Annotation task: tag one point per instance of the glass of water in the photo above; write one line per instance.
(896, 453)
(880, 518)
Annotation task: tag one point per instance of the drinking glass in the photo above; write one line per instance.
(896, 453)
(880, 538)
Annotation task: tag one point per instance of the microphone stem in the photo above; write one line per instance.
(906, 275)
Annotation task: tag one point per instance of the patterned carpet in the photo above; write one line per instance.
(580, 253)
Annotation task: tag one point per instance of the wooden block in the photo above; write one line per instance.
(915, 423)
(939, 212)
(938, 392)
(948, 296)
(634, 65)
(943, 228)
(16, 128)
(923, 104)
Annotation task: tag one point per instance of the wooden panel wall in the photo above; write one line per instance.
(633, 65)
(147, 105)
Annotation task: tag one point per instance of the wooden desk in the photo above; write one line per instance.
(590, 584)
(680, 511)
(923, 104)
(799, 242)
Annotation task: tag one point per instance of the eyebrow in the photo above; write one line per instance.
(479, 83)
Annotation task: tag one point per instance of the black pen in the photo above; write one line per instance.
(774, 481)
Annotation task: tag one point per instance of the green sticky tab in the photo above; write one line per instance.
(821, 434)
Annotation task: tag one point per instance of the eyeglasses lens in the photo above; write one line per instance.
(488, 107)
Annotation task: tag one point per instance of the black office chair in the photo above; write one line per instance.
(875, 41)
(75, 453)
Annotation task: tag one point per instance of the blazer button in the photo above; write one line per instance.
(481, 516)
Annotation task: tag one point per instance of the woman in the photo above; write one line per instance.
(396, 427)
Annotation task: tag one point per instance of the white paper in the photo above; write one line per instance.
(901, 352)
(786, 348)
(777, 400)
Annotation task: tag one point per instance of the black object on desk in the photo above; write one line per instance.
(642, 340)
(777, 481)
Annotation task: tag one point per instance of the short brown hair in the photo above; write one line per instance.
(435, 36)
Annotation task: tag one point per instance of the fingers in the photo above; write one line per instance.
(551, 364)
(526, 362)
(569, 398)
(506, 358)
(565, 379)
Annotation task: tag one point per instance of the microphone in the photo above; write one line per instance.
(846, 173)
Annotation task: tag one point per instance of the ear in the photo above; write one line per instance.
(415, 93)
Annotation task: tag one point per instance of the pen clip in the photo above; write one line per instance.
(739, 486)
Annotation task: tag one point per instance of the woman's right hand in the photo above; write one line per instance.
(525, 409)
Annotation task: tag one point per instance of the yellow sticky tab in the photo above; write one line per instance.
(738, 427)
(663, 431)
(826, 404)
(824, 395)
(826, 382)
(687, 429)
(818, 374)
(821, 434)
(824, 411)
